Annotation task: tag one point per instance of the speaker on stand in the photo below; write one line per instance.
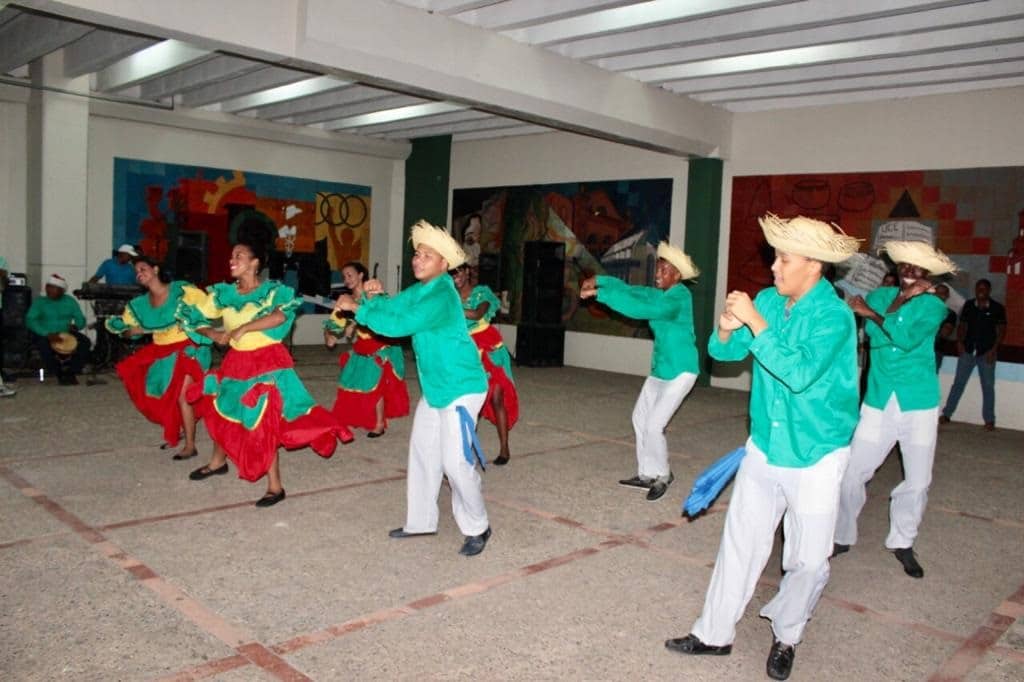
(540, 337)
(14, 336)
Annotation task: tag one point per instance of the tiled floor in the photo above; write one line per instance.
(115, 566)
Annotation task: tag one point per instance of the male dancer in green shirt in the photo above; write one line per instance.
(803, 409)
(669, 308)
(451, 377)
(902, 400)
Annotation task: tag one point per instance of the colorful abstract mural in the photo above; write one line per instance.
(975, 215)
(186, 216)
(608, 227)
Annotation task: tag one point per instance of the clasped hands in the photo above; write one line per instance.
(739, 311)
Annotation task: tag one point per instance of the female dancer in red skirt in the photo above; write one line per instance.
(371, 383)
(157, 374)
(480, 305)
(255, 402)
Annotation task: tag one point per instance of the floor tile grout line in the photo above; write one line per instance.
(457, 592)
(208, 669)
(973, 650)
(191, 609)
(131, 523)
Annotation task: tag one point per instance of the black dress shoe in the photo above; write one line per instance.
(205, 472)
(693, 646)
(270, 499)
(780, 661)
(637, 482)
(838, 549)
(399, 533)
(475, 544)
(659, 487)
(910, 565)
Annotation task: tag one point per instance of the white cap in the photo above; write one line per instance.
(127, 248)
(57, 281)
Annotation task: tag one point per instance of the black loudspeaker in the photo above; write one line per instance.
(539, 345)
(190, 257)
(489, 271)
(16, 342)
(543, 282)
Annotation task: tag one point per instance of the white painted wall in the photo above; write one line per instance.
(975, 129)
(13, 175)
(566, 157)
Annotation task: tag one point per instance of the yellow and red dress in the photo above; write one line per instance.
(154, 374)
(373, 370)
(255, 402)
(493, 354)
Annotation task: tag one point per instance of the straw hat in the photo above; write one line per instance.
(808, 238)
(65, 345)
(920, 254)
(682, 262)
(438, 239)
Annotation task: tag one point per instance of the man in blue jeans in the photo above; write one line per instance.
(981, 330)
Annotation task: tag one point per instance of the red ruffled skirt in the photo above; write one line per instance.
(255, 403)
(490, 343)
(160, 409)
(357, 406)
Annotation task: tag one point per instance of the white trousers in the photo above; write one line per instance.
(435, 450)
(658, 401)
(877, 432)
(763, 494)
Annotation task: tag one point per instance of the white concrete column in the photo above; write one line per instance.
(58, 129)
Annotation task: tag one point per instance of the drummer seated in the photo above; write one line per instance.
(53, 321)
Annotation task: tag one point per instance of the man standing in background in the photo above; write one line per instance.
(981, 330)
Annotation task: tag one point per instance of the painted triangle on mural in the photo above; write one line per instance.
(905, 207)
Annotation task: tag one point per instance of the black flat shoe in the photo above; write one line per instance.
(637, 482)
(270, 499)
(659, 487)
(910, 566)
(694, 647)
(399, 533)
(780, 661)
(205, 472)
(838, 549)
(185, 455)
(475, 544)
(501, 461)
(376, 434)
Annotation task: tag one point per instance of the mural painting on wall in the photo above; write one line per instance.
(975, 215)
(186, 217)
(608, 227)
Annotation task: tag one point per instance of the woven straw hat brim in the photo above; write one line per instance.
(809, 238)
(438, 239)
(682, 262)
(920, 254)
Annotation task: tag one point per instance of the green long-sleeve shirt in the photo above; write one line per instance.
(903, 350)
(804, 394)
(447, 360)
(670, 315)
(52, 316)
